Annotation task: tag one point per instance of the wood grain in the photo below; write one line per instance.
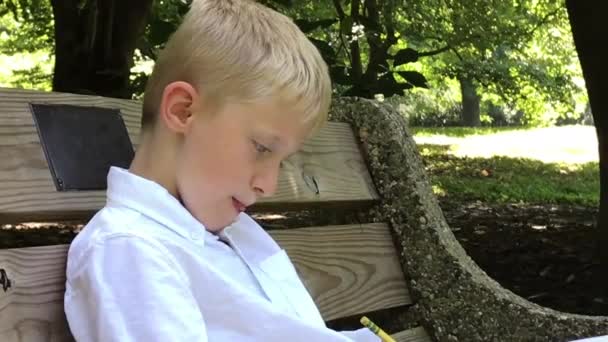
(32, 309)
(412, 335)
(328, 169)
(348, 270)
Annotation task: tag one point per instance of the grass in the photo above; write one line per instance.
(462, 131)
(549, 165)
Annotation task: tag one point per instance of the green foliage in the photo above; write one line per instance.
(357, 40)
(520, 53)
(26, 26)
(164, 18)
(34, 78)
(26, 44)
(505, 179)
(461, 132)
(438, 106)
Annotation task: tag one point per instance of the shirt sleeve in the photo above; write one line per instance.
(361, 335)
(128, 288)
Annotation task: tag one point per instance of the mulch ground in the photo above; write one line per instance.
(544, 253)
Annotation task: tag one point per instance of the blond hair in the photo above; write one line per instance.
(241, 51)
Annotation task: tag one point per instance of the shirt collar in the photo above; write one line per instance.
(250, 239)
(154, 201)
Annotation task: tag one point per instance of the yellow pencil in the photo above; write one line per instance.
(373, 327)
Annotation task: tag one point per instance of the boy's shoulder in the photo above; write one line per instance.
(109, 223)
(106, 223)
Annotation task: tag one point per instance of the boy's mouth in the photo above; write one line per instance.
(240, 207)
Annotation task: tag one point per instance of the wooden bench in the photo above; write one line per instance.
(350, 270)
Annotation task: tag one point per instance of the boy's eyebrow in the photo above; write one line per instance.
(276, 140)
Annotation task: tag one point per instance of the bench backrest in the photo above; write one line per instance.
(349, 269)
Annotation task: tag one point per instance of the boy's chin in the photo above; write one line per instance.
(217, 227)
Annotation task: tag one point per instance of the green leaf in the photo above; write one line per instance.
(415, 78)
(328, 53)
(346, 26)
(388, 86)
(308, 26)
(407, 55)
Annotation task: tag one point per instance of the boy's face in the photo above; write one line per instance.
(229, 159)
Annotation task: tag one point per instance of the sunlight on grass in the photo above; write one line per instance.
(501, 179)
(567, 144)
(438, 191)
(540, 165)
(460, 132)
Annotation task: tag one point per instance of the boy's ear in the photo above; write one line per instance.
(178, 105)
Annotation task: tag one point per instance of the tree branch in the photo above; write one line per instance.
(341, 16)
(542, 22)
(389, 24)
(457, 54)
(435, 52)
(339, 9)
(378, 48)
(354, 45)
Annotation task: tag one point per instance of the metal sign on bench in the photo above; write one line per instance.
(81, 143)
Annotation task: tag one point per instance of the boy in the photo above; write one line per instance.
(172, 256)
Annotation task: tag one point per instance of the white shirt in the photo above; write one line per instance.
(144, 269)
(603, 338)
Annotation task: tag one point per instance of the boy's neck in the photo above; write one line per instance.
(155, 163)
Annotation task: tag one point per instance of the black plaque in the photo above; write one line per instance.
(81, 143)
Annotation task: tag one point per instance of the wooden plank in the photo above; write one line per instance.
(330, 162)
(348, 270)
(32, 310)
(412, 335)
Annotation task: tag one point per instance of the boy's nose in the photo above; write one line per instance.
(265, 182)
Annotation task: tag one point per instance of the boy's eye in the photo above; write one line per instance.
(260, 148)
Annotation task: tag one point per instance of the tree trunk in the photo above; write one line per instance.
(355, 50)
(587, 19)
(470, 102)
(94, 45)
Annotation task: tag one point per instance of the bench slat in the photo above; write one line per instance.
(27, 191)
(348, 269)
(412, 335)
(32, 310)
